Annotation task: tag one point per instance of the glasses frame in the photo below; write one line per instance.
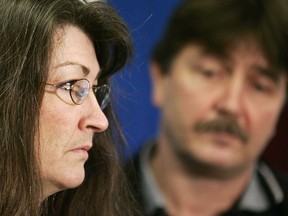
(95, 89)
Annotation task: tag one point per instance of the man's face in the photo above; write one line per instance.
(219, 111)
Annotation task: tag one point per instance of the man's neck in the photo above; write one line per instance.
(187, 194)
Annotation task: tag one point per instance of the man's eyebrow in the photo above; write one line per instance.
(271, 73)
(218, 56)
(85, 70)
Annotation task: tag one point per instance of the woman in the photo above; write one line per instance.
(57, 151)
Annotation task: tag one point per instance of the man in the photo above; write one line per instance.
(220, 78)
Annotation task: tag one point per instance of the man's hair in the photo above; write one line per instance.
(26, 44)
(219, 25)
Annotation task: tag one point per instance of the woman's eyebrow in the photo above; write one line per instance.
(83, 68)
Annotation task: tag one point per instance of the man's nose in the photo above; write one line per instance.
(231, 96)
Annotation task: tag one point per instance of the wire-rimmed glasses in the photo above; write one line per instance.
(79, 90)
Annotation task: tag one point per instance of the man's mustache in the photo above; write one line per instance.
(225, 125)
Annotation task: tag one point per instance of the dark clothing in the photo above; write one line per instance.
(266, 195)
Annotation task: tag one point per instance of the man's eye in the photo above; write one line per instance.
(208, 73)
(262, 84)
(261, 87)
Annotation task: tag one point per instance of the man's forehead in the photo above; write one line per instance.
(258, 59)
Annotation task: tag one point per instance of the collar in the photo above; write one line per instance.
(254, 199)
(152, 196)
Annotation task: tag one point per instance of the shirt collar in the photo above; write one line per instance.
(152, 197)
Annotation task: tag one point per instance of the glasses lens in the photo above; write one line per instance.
(79, 91)
(102, 94)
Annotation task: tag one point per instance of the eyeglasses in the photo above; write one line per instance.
(79, 90)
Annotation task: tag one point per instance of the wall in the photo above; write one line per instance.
(146, 19)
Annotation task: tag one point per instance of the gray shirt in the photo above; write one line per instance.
(254, 199)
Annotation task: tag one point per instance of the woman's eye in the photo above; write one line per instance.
(81, 92)
(66, 86)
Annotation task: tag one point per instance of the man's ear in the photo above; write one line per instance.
(158, 84)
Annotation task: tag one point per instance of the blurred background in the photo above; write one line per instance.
(146, 20)
(139, 119)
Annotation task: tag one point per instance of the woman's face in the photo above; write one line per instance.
(66, 129)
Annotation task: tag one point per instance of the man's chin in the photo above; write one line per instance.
(214, 166)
